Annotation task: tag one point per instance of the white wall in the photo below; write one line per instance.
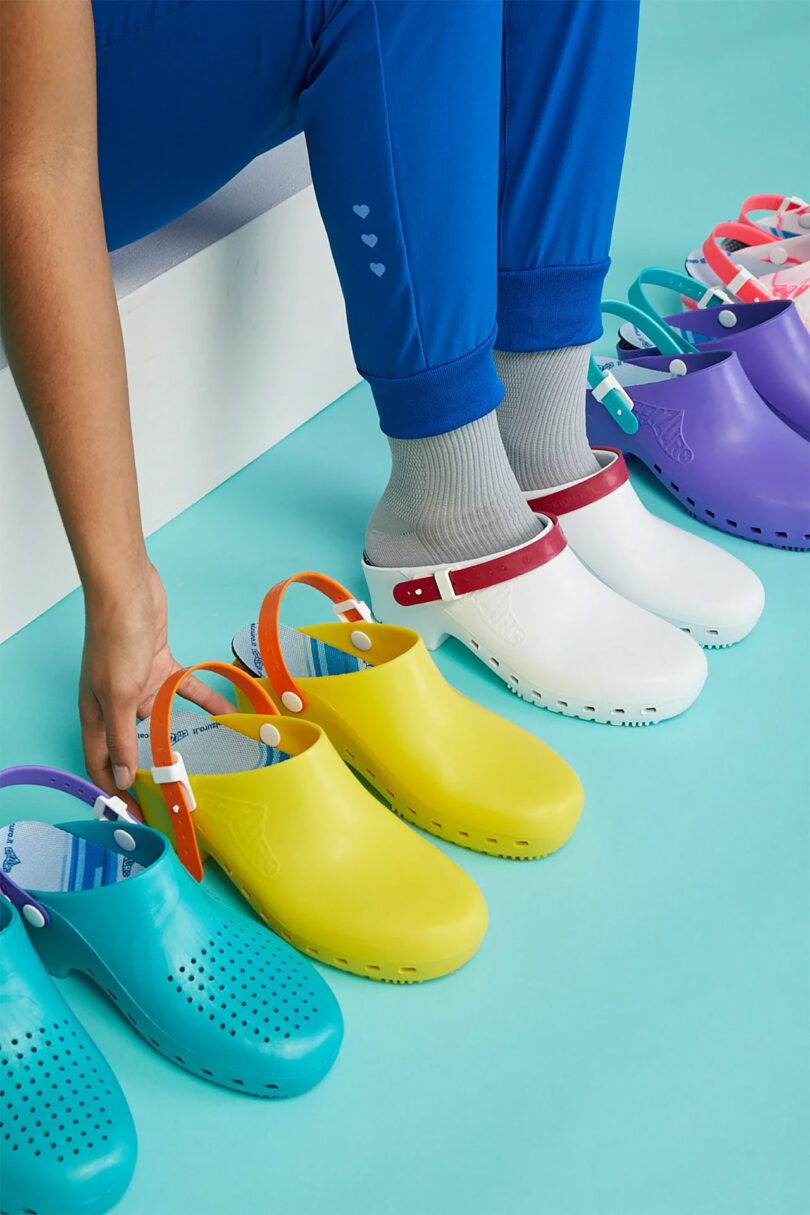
(220, 360)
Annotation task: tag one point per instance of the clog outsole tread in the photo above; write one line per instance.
(593, 713)
(274, 1091)
(505, 847)
(608, 715)
(518, 849)
(385, 972)
(709, 638)
(731, 527)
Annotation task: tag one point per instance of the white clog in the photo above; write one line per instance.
(553, 632)
(693, 584)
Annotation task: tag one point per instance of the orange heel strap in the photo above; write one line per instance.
(169, 770)
(346, 607)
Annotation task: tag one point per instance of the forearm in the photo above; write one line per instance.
(63, 339)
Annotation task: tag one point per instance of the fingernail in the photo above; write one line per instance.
(122, 777)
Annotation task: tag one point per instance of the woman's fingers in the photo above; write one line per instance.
(120, 726)
(94, 741)
(198, 693)
(192, 689)
(97, 759)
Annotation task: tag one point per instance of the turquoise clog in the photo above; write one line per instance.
(216, 993)
(67, 1141)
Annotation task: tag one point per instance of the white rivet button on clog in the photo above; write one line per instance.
(778, 256)
(292, 702)
(727, 318)
(804, 220)
(361, 641)
(269, 734)
(678, 367)
(33, 915)
(124, 840)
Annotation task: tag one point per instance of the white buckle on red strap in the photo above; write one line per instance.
(175, 774)
(789, 201)
(742, 277)
(353, 605)
(444, 585)
(116, 804)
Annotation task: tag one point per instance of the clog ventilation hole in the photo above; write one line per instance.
(695, 509)
(245, 986)
(53, 1100)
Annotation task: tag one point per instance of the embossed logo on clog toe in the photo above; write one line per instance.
(667, 426)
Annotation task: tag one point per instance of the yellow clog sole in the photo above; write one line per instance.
(440, 760)
(322, 862)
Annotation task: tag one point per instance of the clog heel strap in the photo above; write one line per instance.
(602, 382)
(347, 609)
(787, 214)
(169, 770)
(104, 807)
(672, 280)
(738, 279)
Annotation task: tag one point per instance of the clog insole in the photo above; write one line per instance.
(38, 856)
(629, 373)
(208, 747)
(305, 656)
(632, 336)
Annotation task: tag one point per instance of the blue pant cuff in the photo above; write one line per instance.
(550, 306)
(441, 398)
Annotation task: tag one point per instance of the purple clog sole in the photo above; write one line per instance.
(711, 440)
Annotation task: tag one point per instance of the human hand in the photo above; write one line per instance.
(126, 658)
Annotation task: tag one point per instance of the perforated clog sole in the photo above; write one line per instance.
(67, 1140)
(214, 993)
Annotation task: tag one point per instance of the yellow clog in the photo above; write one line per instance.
(328, 868)
(440, 760)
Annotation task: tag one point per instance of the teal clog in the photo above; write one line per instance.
(216, 993)
(67, 1141)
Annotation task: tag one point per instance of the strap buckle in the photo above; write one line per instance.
(114, 808)
(353, 605)
(788, 202)
(175, 774)
(444, 585)
(712, 293)
(741, 280)
(619, 404)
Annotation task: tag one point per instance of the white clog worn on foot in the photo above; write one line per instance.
(553, 632)
(693, 584)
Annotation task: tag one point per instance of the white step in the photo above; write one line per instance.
(231, 343)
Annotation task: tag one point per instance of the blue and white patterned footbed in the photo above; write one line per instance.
(304, 655)
(38, 856)
(208, 747)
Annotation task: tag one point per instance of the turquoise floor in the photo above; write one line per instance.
(633, 1037)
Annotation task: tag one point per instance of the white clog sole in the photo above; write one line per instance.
(693, 584)
(556, 635)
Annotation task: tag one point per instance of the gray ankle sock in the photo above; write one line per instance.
(542, 415)
(451, 497)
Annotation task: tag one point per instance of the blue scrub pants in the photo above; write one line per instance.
(465, 155)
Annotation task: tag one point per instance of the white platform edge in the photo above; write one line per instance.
(227, 353)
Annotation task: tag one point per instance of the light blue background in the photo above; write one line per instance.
(633, 1037)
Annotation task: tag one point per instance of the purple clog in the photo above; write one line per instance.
(710, 439)
(768, 337)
